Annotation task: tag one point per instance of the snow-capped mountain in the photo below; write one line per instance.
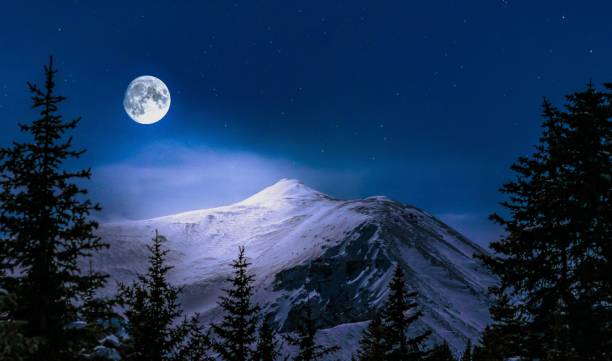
(307, 247)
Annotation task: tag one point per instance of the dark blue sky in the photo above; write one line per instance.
(426, 102)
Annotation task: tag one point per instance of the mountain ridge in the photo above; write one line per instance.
(307, 247)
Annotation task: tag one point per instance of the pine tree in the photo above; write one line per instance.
(236, 334)
(488, 349)
(152, 312)
(372, 345)
(195, 344)
(46, 230)
(441, 353)
(508, 326)
(397, 320)
(304, 339)
(555, 258)
(467, 353)
(267, 344)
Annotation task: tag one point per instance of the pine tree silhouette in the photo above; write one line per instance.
(46, 230)
(397, 321)
(372, 346)
(304, 339)
(236, 334)
(467, 353)
(153, 314)
(195, 344)
(489, 348)
(441, 353)
(268, 348)
(502, 339)
(555, 259)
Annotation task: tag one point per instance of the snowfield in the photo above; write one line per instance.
(304, 246)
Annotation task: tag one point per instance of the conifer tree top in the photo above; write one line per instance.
(553, 262)
(46, 230)
(236, 334)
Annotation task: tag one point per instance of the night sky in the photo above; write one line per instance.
(426, 102)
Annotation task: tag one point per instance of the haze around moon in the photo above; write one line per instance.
(146, 100)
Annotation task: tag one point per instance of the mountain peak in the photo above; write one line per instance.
(307, 248)
(287, 182)
(284, 189)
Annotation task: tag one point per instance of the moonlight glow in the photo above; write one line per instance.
(147, 99)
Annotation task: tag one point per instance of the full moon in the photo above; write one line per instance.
(147, 99)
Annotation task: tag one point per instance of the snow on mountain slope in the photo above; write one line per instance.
(306, 247)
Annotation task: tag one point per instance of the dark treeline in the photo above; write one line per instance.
(553, 301)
